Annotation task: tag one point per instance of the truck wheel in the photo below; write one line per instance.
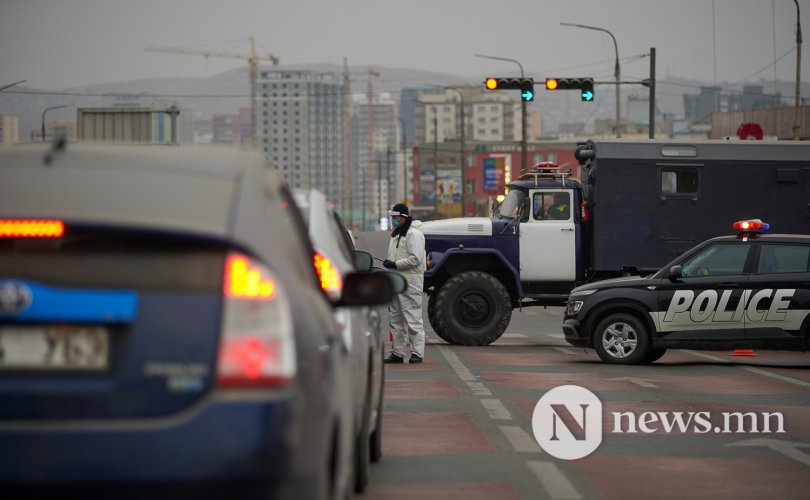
(621, 339)
(472, 308)
(431, 310)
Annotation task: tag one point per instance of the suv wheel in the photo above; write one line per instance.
(621, 339)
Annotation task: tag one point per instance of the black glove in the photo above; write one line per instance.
(389, 264)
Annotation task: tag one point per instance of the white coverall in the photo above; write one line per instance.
(405, 309)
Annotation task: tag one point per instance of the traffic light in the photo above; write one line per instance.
(525, 85)
(584, 85)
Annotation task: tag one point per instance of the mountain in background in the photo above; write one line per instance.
(228, 91)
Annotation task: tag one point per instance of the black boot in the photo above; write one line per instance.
(393, 358)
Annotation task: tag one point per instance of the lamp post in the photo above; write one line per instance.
(4, 87)
(797, 123)
(43, 116)
(404, 161)
(523, 156)
(617, 72)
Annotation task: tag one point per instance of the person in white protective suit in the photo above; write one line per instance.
(406, 254)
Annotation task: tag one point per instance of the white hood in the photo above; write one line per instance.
(458, 226)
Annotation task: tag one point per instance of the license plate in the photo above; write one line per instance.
(56, 347)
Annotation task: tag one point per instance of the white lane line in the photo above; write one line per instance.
(462, 371)
(758, 371)
(553, 480)
(514, 336)
(520, 440)
(478, 389)
(565, 350)
(496, 409)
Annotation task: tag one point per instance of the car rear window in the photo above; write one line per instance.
(98, 258)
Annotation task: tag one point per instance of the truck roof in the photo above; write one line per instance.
(672, 149)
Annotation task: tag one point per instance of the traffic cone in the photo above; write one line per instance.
(743, 352)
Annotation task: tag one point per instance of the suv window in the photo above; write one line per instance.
(783, 258)
(717, 260)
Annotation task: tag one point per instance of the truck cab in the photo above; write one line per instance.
(529, 252)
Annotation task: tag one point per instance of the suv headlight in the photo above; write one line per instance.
(573, 307)
(581, 293)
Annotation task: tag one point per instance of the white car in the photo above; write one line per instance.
(363, 331)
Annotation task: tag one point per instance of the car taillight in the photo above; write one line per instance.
(31, 228)
(329, 276)
(257, 348)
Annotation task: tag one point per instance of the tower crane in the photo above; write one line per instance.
(253, 62)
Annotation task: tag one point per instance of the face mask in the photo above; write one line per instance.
(395, 223)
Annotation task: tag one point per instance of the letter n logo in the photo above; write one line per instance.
(567, 422)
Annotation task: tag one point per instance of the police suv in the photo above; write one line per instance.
(745, 291)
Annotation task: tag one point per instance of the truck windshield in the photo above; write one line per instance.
(510, 207)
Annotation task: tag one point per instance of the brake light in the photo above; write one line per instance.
(34, 228)
(245, 280)
(257, 348)
(331, 282)
(586, 211)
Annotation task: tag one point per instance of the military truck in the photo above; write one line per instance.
(638, 205)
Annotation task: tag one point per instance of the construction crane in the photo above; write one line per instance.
(253, 62)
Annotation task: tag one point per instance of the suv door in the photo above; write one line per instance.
(707, 302)
(780, 299)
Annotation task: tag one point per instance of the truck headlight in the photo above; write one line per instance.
(573, 307)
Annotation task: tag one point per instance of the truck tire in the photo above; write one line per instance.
(621, 339)
(431, 310)
(472, 308)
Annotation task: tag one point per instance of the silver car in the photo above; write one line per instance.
(363, 330)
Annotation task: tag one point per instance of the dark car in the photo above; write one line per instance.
(162, 324)
(732, 292)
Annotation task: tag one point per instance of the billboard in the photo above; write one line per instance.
(448, 186)
(494, 169)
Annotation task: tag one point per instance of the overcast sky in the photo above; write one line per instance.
(58, 44)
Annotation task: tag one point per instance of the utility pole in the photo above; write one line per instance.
(652, 93)
(797, 124)
(346, 199)
(370, 142)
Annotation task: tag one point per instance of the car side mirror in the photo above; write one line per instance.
(675, 273)
(363, 261)
(366, 289)
(398, 281)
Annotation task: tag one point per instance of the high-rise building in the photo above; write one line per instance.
(300, 128)
(9, 129)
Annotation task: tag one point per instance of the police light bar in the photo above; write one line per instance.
(751, 225)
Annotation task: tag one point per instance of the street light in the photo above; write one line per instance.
(4, 87)
(523, 159)
(43, 116)
(617, 72)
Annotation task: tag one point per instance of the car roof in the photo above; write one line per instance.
(170, 188)
(773, 238)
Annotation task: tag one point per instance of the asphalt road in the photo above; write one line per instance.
(460, 424)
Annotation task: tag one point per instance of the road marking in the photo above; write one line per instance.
(787, 448)
(462, 371)
(565, 350)
(496, 409)
(643, 382)
(520, 440)
(553, 480)
(758, 371)
(514, 336)
(478, 389)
